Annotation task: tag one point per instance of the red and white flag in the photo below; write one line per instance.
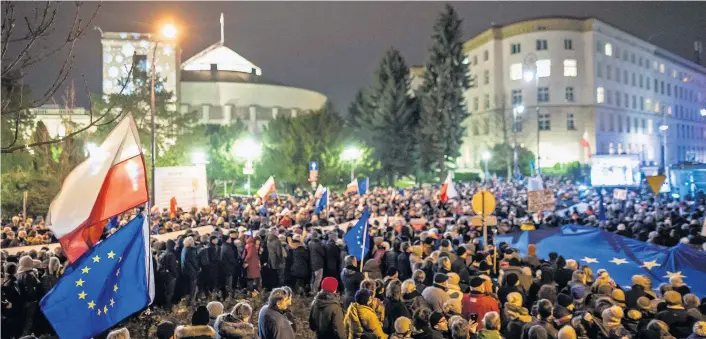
(352, 188)
(268, 189)
(111, 181)
(448, 190)
(585, 144)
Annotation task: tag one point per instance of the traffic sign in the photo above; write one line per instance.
(313, 171)
(655, 182)
(483, 203)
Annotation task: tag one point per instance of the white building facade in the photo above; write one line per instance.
(561, 79)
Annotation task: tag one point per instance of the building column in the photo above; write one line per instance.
(252, 122)
(227, 114)
(275, 111)
(205, 112)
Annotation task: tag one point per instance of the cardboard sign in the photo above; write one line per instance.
(543, 200)
(620, 194)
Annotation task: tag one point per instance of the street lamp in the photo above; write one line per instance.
(515, 161)
(249, 150)
(663, 128)
(703, 112)
(168, 32)
(352, 154)
(486, 157)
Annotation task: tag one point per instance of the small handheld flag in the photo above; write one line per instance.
(352, 188)
(356, 237)
(363, 186)
(323, 202)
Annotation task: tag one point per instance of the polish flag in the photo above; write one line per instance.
(319, 191)
(267, 189)
(111, 181)
(352, 188)
(448, 191)
(585, 144)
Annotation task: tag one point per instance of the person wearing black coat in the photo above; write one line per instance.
(300, 266)
(190, 267)
(333, 253)
(168, 269)
(351, 277)
(326, 315)
(404, 266)
(394, 306)
(459, 266)
(30, 291)
(390, 258)
(229, 261)
(317, 255)
(11, 301)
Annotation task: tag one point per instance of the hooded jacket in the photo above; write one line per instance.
(351, 278)
(228, 327)
(326, 316)
(194, 332)
(362, 319)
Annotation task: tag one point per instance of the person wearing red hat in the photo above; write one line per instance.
(326, 312)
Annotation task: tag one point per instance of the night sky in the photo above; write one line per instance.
(333, 47)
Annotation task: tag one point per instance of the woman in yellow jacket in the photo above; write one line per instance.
(361, 320)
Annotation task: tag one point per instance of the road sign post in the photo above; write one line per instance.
(483, 204)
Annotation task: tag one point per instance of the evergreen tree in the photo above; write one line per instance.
(442, 94)
(394, 118)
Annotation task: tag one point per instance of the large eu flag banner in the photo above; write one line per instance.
(108, 283)
(622, 257)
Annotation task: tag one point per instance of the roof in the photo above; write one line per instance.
(225, 59)
(225, 76)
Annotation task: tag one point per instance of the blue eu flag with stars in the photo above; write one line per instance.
(355, 235)
(108, 283)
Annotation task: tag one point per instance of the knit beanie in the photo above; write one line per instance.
(564, 300)
(578, 291)
(435, 318)
(612, 315)
(477, 281)
(672, 298)
(514, 299)
(215, 309)
(165, 330)
(403, 325)
(329, 284)
(567, 332)
(200, 316)
(362, 296)
(700, 328)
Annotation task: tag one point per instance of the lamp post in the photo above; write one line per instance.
(515, 161)
(531, 62)
(352, 154)
(249, 150)
(486, 157)
(168, 32)
(664, 129)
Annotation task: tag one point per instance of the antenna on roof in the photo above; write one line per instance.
(222, 23)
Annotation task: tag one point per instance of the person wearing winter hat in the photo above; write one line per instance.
(326, 313)
(361, 318)
(436, 294)
(403, 328)
(511, 283)
(515, 316)
(699, 330)
(215, 308)
(478, 301)
(236, 324)
(438, 323)
(566, 301)
(612, 318)
(544, 319)
(199, 327)
(675, 315)
(165, 330)
(618, 297)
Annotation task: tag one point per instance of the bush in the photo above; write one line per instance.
(41, 188)
(466, 176)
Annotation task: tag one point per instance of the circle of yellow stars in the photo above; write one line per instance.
(82, 295)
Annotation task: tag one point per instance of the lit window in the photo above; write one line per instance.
(570, 68)
(674, 74)
(648, 103)
(515, 71)
(544, 68)
(661, 68)
(608, 49)
(656, 106)
(600, 95)
(669, 110)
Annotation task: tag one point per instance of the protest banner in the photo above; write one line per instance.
(542, 200)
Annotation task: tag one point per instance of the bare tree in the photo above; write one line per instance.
(29, 40)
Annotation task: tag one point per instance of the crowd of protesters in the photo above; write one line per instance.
(430, 281)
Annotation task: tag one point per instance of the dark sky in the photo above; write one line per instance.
(333, 47)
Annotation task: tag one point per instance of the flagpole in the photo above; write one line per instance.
(365, 237)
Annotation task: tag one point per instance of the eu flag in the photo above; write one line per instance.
(356, 236)
(363, 186)
(108, 283)
(323, 201)
(622, 257)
